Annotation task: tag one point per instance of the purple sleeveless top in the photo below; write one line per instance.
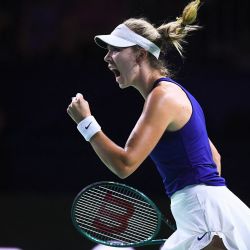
(184, 157)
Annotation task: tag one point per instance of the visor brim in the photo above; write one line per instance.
(104, 40)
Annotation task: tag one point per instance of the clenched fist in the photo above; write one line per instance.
(78, 108)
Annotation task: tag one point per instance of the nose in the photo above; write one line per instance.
(107, 57)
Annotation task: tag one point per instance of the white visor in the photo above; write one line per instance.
(122, 36)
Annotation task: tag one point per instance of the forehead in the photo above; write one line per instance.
(129, 50)
(111, 47)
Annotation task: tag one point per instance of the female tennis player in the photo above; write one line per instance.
(172, 130)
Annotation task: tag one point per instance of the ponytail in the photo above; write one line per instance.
(176, 31)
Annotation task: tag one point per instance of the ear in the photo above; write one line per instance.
(141, 55)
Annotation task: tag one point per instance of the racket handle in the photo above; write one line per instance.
(157, 242)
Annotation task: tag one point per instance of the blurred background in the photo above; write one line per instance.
(47, 55)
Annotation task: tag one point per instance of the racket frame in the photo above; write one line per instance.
(149, 241)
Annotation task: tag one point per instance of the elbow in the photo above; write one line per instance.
(124, 173)
(125, 169)
(124, 166)
(122, 176)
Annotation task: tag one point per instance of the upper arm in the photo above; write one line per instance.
(215, 152)
(158, 113)
(216, 156)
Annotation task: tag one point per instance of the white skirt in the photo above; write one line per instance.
(201, 212)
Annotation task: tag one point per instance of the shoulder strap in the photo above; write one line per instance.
(166, 79)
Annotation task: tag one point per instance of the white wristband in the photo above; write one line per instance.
(88, 127)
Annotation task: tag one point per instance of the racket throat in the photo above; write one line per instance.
(157, 242)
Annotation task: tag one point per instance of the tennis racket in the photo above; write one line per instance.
(117, 215)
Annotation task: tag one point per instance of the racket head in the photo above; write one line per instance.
(115, 214)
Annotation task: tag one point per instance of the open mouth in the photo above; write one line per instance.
(116, 72)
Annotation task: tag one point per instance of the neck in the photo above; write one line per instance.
(145, 81)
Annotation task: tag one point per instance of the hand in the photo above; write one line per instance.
(78, 108)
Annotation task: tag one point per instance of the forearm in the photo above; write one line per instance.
(116, 158)
(143, 138)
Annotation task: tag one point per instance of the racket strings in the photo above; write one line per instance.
(139, 225)
(143, 206)
(133, 197)
(145, 209)
(94, 211)
(116, 239)
(112, 235)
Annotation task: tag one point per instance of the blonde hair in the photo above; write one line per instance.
(167, 34)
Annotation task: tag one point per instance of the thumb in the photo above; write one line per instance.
(79, 96)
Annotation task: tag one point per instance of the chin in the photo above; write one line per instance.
(123, 85)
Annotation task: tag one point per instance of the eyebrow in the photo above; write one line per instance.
(113, 47)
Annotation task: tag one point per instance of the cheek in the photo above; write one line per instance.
(127, 64)
(130, 64)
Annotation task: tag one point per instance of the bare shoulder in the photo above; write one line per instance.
(169, 102)
(166, 93)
